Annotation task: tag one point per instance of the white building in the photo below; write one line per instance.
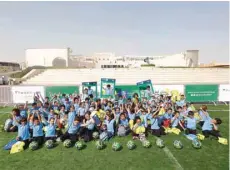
(109, 60)
(62, 58)
(47, 57)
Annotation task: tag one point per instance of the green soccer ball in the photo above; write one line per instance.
(177, 144)
(131, 145)
(146, 143)
(95, 135)
(196, 144)
(67, 143)
(116, 146)
(33, 146)
(79, 145)
(49, 144)
(160, 143)
(100, 144)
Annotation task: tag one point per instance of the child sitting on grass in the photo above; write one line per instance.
(11, 123)
(123, 125)
(210, 127)
(156, 129)
(176, 121)
(190, 123)
(138, 130)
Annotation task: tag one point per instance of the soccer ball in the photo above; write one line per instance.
(104, 136)
(49, 144)
(116, 146)
(79, 145)
(160, 143)
(99, 144)
(131, 145)
(67, 143)
(33, 146)
(177, 144)
(196, 144)
(146, 143)
(95, 135)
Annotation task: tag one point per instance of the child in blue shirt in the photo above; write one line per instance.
(176, 122)
(123, 125)
(143, 116)
(190, 123)
(67, 104)
(156, 130)
(81, 111)
(203, 114)
(87, 127)
(210, 127)
(71, 116)
(36, 126)
(72, 131)
(50, 133)
(110, 123)
(76, 104)
(23, 131)
(16, 118)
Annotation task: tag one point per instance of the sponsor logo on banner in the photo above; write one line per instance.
(21, 94)
(224, 92)
(201, 93)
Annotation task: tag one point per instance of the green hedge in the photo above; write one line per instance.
(25, 71)
(148, 65)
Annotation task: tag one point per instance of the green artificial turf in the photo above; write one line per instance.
(212, 155)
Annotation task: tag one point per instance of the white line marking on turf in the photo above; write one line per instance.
(172, 158)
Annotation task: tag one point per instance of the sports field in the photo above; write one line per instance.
(212, 155)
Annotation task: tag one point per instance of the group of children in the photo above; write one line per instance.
(70, 117)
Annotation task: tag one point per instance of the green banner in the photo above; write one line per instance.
(145, 88)
(108, 88)
(201, 93)
(126, 91)
(51, 90)
(91, 88)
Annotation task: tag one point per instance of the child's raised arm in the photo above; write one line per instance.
(214, 126)
(31, 118)
(39, 116)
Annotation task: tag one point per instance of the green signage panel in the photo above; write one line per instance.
(145, 88)
(90, 87)
(201, 93)
(126, 91)
(108, 88)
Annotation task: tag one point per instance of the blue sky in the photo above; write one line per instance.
(134, 28)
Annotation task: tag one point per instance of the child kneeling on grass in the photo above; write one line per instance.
(23, 131)
(72, 131)
(210, 127)
(50, 132)
(37, 127)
